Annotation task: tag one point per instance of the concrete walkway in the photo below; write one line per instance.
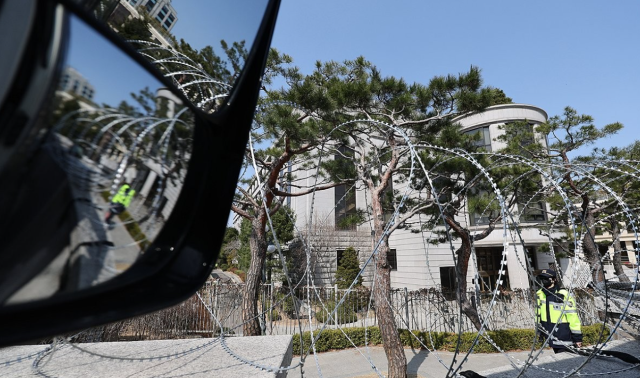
(191, 358)
(226, 277)
(212, 358)
(420, 363)
(351, 363)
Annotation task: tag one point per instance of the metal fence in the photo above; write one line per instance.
(218, 307)
(313, 308)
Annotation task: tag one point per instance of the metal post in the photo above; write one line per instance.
(271, 308)
(214, 308)
(335, 293)
(406, 309)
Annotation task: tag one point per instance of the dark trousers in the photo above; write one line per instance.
(114, 209)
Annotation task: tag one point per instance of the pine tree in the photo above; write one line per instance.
(348, 269)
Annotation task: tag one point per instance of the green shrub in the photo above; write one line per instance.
(595, 333)
(286, 304)
(334, 339)
(274, 315)
(348, 269)
(343, 315)
(507, 340)
(358, 299)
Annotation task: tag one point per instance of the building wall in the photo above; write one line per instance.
(418, 261)
(73, 82)
(161, 10)
(129, 8)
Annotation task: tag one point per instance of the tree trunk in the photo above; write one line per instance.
(463, 255)
(396, 359)
(590, 248)
(258, 245)
(393, 348)
(617, 250)
(462, 266)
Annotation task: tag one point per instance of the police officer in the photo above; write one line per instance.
(556, 305)
(120, 202)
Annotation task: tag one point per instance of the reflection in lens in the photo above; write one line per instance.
(124, 142)
(203, 89)
(181, 39)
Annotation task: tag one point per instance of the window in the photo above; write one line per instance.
(534, 212)
(442, 187)
(133, 2)
(624, 253)
(448, 278)
(479, 219)
(392, 259)
(484, 140)
(65, 81)
(479, 213)
(603, 249)
(150, 4)
(162, 13)
(489, 262)
(345, 207)
(524, 134)
(76, 84)
(344, 197)
(169, 21)
(531, 256)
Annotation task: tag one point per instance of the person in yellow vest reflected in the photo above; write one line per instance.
(120, 202)
(557, 313)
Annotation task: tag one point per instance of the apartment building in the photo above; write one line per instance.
(416, 262)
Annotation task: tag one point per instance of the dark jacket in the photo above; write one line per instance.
(556, 305)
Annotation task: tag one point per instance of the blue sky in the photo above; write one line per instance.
(546, 53)
(206, 22)
(113, 74)
(584, 54)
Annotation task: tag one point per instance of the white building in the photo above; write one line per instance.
(416, 263)
(160, 10)
(72, 82)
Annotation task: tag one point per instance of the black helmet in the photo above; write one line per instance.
(549, 273)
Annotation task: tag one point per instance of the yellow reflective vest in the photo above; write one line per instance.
(124, 195)
(558, 306)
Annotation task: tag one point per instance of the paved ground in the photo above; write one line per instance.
(142, 359)
(210, 358)
(351, 363)
(226, 276)
(562, 364)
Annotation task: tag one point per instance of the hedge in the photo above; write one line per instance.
(508, 340)
(343, 315)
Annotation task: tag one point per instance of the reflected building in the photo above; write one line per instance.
(74, 84)
(160, 11)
